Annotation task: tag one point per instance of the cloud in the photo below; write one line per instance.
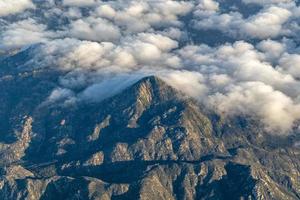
(277, 110)
(96, 29)
(71, 54)
(60, 94)
(140, 50)
(101, 49)
(139, 16)
(73, 13)
(289, 63)
(102, 90)
(79, 2)
(162, 42)
(265, 2)
(269, 22)
(106, 11)
(8, 7)
(23, 33)
(189, 82)
(272, 49)
(206, 7)
(239, 80)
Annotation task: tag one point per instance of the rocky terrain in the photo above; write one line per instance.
(147, 142)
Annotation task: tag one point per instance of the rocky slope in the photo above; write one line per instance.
(148, 142)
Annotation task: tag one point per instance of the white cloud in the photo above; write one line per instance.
(272, 49)
(106, 11)
(265, 2)
(171, 9)
(95, 29)
(79, 2)
(189, 82)
(69, 54)
(73, 13)
(132, 52)
(228, 23)
(162, 42)
(236, 78)
(60, 94)
(106, 47)
(138, 16)
(267, 23)
(206, 7)
(24, 32)
(277, 110)
(8, 7)
(239, 80)
(104, 89)
(289, 63)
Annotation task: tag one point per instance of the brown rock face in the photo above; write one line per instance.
(148, 142)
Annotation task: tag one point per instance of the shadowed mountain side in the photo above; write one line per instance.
(147, 142)
(134, 169)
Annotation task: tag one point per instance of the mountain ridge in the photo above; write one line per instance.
(147, 142)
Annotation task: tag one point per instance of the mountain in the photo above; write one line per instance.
(147, 142)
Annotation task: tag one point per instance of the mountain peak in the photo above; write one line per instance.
(153, 88)
(152, 79)
(142, 95)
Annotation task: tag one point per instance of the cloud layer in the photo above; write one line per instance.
(253, 69)
(8, 7)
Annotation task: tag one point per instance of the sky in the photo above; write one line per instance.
(237, 57)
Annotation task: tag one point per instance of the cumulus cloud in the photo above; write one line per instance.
(240, 80)
(265, 2)
(140, 50)
(277, 110)
(138, 16)
(289, 63)
(96, 29)
(272, 49)
(23, 33)
(69, 54)
(206, 7)
(189, 82)
(269, 22)
(8, 7)
(79, 2)
(104, 48)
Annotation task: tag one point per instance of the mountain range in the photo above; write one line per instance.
(149, 141)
